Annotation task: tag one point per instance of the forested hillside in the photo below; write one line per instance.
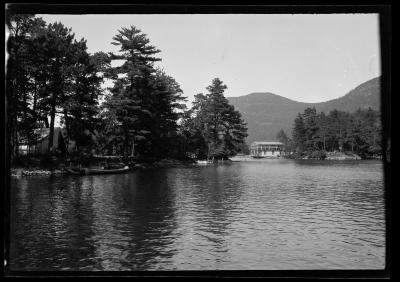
(267, 113)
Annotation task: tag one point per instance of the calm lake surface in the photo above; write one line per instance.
(267, 214)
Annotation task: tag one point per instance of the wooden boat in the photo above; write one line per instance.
(257, 157)
(266, 157)
(75, 171)
(88, 171)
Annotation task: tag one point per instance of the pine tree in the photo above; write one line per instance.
(192, 129)
(144, 101)
(311, 128)
(283, 138)
(58, 47)
(367, 132)
(359, 132)
(299, 134)
(322, 132)
(81, 108)
(21, 86)
(216, 123)
(130, 101)
(50, 82)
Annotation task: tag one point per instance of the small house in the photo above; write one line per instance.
(266, 149)
(60, 142)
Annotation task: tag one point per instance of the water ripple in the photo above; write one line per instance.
(274, 214)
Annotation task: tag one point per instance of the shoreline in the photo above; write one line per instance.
(330, 156)
(22, 171)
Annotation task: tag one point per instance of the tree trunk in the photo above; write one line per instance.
(34, 103)
(25, 105)
(16, 145)
(125, 148)
(66, 127)
(34, 139)
(52, 118)
(133, 148)
(46, 122)
(13, 120)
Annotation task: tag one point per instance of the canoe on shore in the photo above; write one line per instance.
(88, 171)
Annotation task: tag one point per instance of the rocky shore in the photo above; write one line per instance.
(339, 156)
(165, 163)
(18, 172)
(38, 171)
(312, 156)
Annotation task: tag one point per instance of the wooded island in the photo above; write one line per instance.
(51, 78)
(315, 135)
(142, 116)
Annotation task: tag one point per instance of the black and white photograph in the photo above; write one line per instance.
(185, 141)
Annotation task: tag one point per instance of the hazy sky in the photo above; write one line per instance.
(307, 58)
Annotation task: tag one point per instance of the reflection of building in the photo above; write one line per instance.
(266, 149)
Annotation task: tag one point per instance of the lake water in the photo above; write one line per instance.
(260, 215)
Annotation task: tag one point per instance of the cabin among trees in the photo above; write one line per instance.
(40, 147)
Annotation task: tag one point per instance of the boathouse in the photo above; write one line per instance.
(266, 149)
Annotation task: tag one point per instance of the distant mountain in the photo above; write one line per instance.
(266, 113)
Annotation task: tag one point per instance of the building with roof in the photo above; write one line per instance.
(60, 142)
(266, 149)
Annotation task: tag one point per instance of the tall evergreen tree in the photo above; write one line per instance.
(216, 123)
(192, 128)
(144, 101)
(59, 79)
(338, 124)
(299, 134)
(81, 108)
(130, 101)
(322, 132)
(359, 132)
(58, 45)
(20, 78)
(166, 108)
(282, 137)
(310, 128)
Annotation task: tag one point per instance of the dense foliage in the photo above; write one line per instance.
(141, 115)
(212, 127)
(358, 132)
(143, 108)
(61, 78)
